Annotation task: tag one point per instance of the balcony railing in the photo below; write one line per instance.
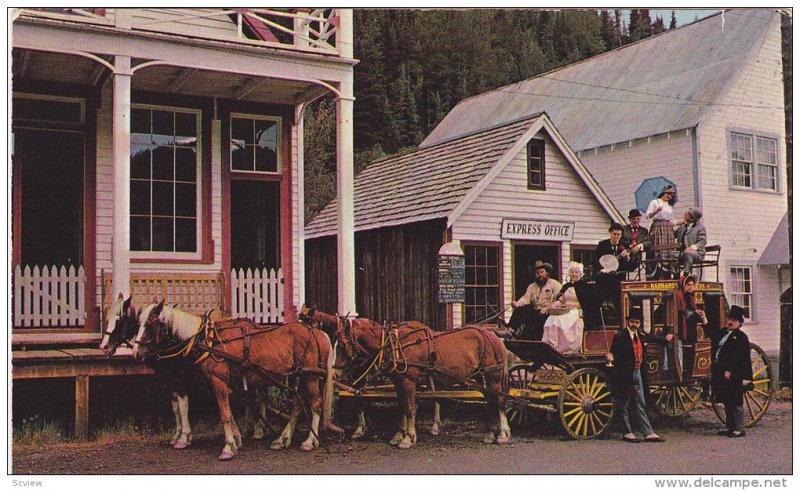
(307, 30)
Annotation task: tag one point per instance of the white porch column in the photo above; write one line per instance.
(344, 191)
(121, 126)
(299, 202)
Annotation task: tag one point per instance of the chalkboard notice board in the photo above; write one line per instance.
(452, 278)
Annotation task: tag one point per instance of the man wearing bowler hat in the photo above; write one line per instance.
(732, 372)
(636, 238)
(628, 375)
(538, 297)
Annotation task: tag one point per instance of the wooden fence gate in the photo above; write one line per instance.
(257, 295)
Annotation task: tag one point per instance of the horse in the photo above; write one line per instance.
(229, 350)
(122, 326)
(328, 323)
(411, 353)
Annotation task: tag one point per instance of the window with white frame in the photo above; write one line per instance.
(754, 161)
(482, 271)
(255, 143)
(165, 179)
(741, 279)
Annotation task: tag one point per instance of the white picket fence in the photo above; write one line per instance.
(50, 297)
(257, 295)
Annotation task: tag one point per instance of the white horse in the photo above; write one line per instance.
(291, 349)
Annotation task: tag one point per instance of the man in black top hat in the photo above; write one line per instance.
(628, 375)
(732, 372)
(637, 239)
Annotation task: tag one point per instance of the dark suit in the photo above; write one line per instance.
(733, 355)
(642, 237)
(628, 384)
(608, 284)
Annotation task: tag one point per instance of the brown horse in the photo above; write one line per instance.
(328, 323)
(230, 350)
(411, 353)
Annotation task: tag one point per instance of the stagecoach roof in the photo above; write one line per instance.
(660, 84)
(431, 183)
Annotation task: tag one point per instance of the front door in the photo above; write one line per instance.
(524, 258)
(49, 201)
(255, 224)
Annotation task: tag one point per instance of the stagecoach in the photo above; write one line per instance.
(575, 388)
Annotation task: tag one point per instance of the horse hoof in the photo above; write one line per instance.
(225, 456)
(503, 440)
(434, 431)
(489, 439)
(258, 434)
(358, 434)
(181, 445)
(404, 445)
(309, 445)
(396, 440)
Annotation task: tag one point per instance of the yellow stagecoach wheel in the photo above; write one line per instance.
(518, 412)
(757, 400)
(675, 400)
(584, 404)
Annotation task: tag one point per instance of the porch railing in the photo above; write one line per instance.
(257, 295)
(301, 29)
(49, 297)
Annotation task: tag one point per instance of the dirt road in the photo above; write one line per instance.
(692, 448)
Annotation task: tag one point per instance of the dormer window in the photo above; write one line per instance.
(536, 180)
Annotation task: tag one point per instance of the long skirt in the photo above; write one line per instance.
(662, 233)
(564, 332)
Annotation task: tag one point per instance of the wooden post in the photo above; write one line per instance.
(121, 126)
(344, 191)
(82, 407)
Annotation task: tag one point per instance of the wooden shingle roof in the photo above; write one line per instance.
(422, 184)
(440, 181)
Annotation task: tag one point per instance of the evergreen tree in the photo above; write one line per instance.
(673, 22)
(658, 26)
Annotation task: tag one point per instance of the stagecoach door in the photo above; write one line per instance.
(523, 258)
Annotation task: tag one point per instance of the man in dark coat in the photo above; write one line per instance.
(636, 238)
(628, 376)
(608, 280)
(732, 372)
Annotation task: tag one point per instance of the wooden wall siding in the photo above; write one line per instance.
(211, 26)
(566, 199)
(298, 219)
(395, 273)
(620, 171)
(321, 263)
(743, 221)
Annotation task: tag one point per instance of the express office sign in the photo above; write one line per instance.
(524, 229)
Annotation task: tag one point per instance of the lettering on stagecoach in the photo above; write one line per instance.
(650, 286)
(554, 231)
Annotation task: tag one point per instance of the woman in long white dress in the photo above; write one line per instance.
(565, 331)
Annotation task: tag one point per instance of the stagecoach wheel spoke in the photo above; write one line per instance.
(761, 395)
(675, 400)
(518, 412)
(582, 414)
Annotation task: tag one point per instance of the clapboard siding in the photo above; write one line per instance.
(566, 199)
(298, 218)
(621, 169)
(189, 22)
(753, 101)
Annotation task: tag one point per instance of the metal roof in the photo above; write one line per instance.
(777, 250)
(442, 180)
(662, 83)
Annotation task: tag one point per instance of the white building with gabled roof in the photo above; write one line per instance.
(701, 105)
(507, 196)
